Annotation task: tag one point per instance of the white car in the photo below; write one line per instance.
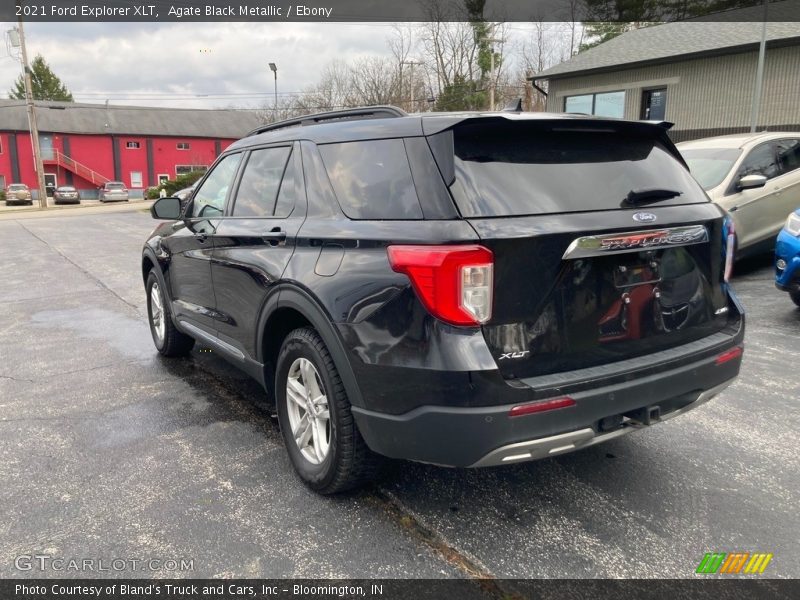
(753, 176)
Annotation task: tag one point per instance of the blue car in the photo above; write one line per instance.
(787, 258)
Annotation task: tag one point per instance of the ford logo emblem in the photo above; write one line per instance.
(644, 217)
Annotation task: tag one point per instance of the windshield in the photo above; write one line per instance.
(64, 188)
(710, 165)
(504, 170)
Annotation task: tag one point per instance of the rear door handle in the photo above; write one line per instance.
(275, 236)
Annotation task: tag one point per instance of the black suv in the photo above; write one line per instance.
(468, 290)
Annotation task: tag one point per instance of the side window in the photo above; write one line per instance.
(209, 199)
(286, 197)
(372, 179)
(259, 186)
(760, 161)
(788, 154)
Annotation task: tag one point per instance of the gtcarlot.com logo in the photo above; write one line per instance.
(46, 562)
(732, 563)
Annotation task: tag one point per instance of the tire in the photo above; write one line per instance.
(347, 463)
(795, 296)
(167, 339)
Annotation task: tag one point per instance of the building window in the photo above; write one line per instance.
(162, 178)
(133, 145)
(136, 179)
(2, 182)
(1, 145)
(184, 169)
(607, 104)
(182, 145)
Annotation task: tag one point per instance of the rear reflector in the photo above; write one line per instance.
(453, 282)
(541, 406)
(729, 355)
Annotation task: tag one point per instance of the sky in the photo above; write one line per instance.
(225, 63)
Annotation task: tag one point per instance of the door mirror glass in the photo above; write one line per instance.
(751, 181)
(166, 208)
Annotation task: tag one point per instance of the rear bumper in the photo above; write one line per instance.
(487, 435)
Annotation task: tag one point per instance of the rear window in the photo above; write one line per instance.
(115, 186)
(372, 179)
(511, 170)
(15, 187)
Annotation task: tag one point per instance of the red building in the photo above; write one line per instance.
(85, 145)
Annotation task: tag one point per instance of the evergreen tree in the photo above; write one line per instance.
(45, 84)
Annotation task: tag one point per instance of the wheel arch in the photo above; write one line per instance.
(291, 309)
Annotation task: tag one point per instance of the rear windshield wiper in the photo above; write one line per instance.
(648, 195)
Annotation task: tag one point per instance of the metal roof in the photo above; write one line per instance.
(671, 42)
(78, 118)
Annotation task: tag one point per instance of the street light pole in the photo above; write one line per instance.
(37, 152)
(274, 68)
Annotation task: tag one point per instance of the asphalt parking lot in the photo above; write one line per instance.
(109, 451)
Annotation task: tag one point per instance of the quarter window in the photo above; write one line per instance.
(258, 189)
(372, 180)
(209, 199)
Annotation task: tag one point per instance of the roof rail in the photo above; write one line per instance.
(348, 114)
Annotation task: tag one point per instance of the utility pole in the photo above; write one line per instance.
(411, 63)
(492, 81)
(37, 153)
(759, 87)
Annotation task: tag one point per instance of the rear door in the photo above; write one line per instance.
(788, 182)
(255, 240)
(582, 276)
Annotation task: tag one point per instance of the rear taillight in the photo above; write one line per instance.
(541, 406)
(729, 355)
(453, 282)
(729, 231)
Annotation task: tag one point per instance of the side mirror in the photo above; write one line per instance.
(166, 208)
(749, 182)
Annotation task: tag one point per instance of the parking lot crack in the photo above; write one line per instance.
(16, 379)
(88, 274)
(469, 566)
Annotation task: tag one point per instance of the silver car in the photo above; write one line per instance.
(753, 176)
(113, 191)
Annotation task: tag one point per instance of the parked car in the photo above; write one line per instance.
(113, 191)
(755, 177)
(66, 194)
(440, 287)
(787, 257)
(18, 193)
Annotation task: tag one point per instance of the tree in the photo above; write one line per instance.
(45, 84)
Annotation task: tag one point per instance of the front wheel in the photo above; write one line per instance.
(168, 340)
(795, 296)
(324, 444)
